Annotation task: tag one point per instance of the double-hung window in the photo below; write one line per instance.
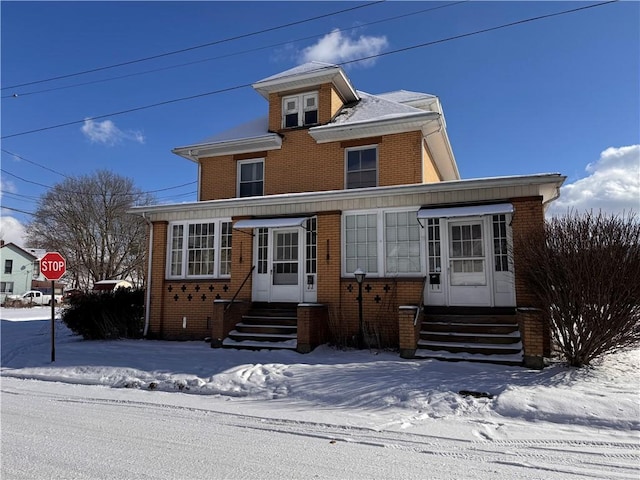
(6, 287)
(251, 178)
(8, 266)
(300, 110)
(199, 249)
(361, 167)
(383, 243)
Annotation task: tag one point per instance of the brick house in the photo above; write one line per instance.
(334, 180)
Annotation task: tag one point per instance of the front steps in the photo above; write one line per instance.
(480, 337)
(266, 326)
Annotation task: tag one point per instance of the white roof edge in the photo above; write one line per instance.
(465, 211)
(271, 141)
(341, 131)
(553, 180)
(270, 222)
(334, 74)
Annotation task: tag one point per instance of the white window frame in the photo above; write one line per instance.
(346, 164)
(300, 109)
(6, 287)
(381, 244)
(217, 235)
(240, 163)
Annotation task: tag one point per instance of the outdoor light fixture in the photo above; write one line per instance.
(360, 274)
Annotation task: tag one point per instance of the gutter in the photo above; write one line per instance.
(147, 301)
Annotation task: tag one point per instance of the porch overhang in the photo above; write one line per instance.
(465, 211)
(271, 222)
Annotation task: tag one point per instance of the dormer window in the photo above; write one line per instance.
(300, 110)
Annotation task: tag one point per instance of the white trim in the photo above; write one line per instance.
(335, 132)
(346, 163)
(300, 108)
(546, 185)
(185, 249)
(324, 73)
(271, 222)
(239, 176)
(270, 141)
(466, 211)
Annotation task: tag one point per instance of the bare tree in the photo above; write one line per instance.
(85, 219)
(585, 273)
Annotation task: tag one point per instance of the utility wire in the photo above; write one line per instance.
(195, 47)
(242, 52)
(34, 163)
(6, 172)
(18, 210)
(392, 52)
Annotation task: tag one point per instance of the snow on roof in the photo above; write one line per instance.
(373, 107)
(310, 67)
(405, 96)
(254, 128)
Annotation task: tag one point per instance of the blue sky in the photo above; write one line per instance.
(560, 94)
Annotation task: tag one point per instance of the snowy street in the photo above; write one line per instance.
(145, 409)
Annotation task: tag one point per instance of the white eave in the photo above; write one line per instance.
(335, 132)
(270, 141)
(310, 79)
(547, 186)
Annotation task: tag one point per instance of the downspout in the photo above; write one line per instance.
(147, 301)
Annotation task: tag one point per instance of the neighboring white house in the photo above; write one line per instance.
(19, 267)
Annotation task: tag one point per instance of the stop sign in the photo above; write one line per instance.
(52, 266)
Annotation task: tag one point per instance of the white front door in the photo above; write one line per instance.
(278, 273)
(468, 273)
(286, 273)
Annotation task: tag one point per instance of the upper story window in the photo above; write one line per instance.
(8, 266)
(300, 110)
(362, 167)
(199, 249)
(251, 178)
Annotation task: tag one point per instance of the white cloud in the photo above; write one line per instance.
(612, 186)
(11, 230)
(108, 134)
(335, 47)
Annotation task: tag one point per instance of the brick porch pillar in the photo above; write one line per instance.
(533, 336)
(224, 319)
(409, 330)
(313, 326)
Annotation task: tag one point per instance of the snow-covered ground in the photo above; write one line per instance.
(555, 423)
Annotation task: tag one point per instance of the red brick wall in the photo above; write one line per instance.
(528, 217)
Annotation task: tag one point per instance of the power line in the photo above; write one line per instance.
(33, 163)
(85, 193)
(195, 47)
(17, 196)
(122, 112)
(218, 57)
(18, 210)
(392, 52)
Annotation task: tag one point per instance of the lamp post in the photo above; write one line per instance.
(360, 274)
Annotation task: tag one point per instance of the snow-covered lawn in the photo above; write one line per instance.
(376, 391)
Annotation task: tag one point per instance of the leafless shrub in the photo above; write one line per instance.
(585, 273)
(339, 334)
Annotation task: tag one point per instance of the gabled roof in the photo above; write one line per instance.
(32, 253)
(308, 75)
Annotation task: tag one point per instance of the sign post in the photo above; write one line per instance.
(52, 267)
